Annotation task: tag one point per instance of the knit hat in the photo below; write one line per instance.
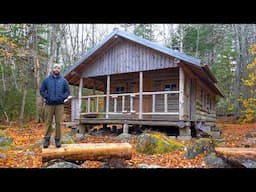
(57, 65)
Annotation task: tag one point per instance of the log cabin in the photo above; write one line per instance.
(139, 82)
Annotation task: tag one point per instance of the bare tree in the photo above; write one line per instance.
(24, 95)
(241, 47)
(3, 76)
(36, 74)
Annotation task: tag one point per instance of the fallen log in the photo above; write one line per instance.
(247, 153)
(88, 151)
(238, 157)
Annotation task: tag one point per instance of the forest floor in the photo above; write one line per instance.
(25, 150)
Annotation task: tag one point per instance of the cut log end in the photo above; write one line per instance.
(88, 151)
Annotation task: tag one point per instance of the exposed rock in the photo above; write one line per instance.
(250, 134)
(74, 130)
(219, 141)
(2, 156)
(201, 145)
(156, 143)
(64, 165)
(249, 163)
(212, 161)
(5, 140)
(67, 139)
(124, 137)
(249, 141)
(148, 166)
(61, 164)
(215, 134)
(114, 163)
(80, 137)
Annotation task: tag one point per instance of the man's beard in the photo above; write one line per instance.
(56, 72)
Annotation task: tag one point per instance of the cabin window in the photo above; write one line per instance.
(206, 101)
(170, 87)
(119, 90)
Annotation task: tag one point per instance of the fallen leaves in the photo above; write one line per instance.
(235, 134)
(25, 152)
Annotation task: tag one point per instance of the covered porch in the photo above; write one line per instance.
(139, 98)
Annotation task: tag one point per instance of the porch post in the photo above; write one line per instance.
(107, 99)
(80, 97)
(181, 94)
(141, 95)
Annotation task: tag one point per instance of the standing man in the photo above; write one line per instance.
(54, 90)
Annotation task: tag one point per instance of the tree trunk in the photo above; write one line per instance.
(13, 69)
(241, 61)
(22, 109)
(52, 47)
(36, 75)
(93, 35)
(3, 77)
(88, 151)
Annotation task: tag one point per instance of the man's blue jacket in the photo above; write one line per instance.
(54, 89)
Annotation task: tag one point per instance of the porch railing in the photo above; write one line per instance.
(94, 104)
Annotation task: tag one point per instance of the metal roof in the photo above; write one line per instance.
(138, 40)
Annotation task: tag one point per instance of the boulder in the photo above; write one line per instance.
(124, 137)
(5, 140)
(154, 143)
(63, 165)
(66, 139)
(201, 145)
(212, 161)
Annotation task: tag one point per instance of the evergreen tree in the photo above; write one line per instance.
(145, 31)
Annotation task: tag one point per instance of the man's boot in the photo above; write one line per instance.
(46, 142)
(57, 143)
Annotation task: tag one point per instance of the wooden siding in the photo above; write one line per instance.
(202, 113)
(198, 111)
(127, 56)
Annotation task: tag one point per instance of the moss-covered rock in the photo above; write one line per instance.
(67, 140)
(154, 143)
